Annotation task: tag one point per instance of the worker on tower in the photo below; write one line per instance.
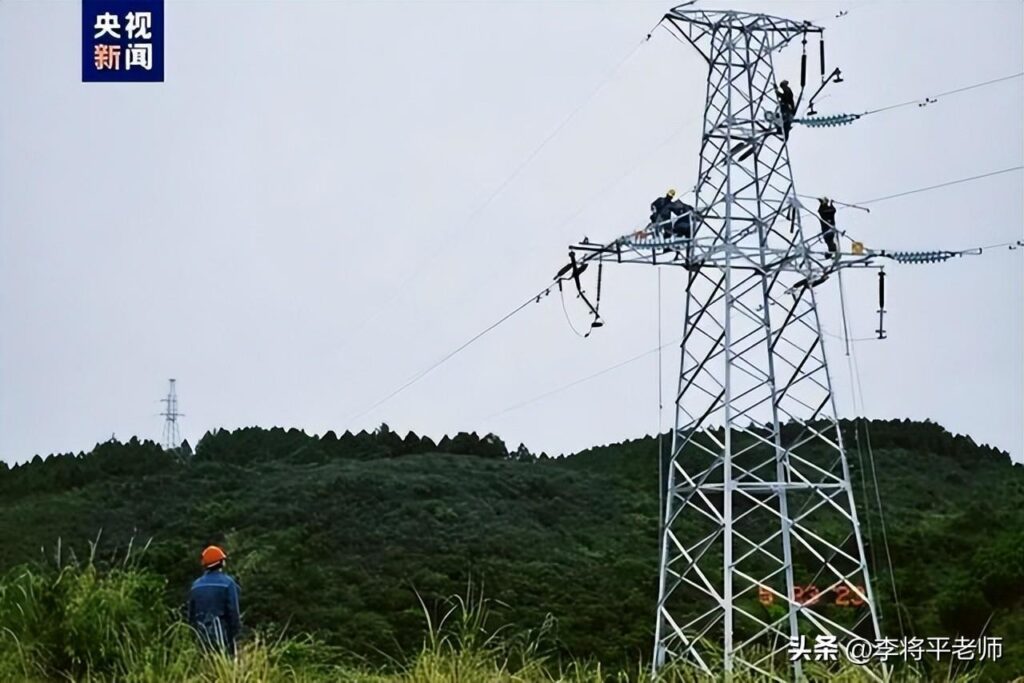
(827, 218)
(213, 609)
(671, 217)
(659, 205)
(788, 106)
(680, 216)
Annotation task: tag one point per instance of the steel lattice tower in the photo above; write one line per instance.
(172, 437)
(758, 500)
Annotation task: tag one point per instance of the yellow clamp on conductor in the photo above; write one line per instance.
(857, 248)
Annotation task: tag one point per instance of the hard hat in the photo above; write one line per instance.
(213, 555)
(671, 192)
(784, 82)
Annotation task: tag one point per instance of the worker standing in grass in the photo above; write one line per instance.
(213, 604)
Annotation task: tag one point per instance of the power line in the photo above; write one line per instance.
(857, 205)
(845, 119)
(661, 405)
(857, 394)
(544, 292)
(470, 220)
(423, 373)
(568, 319)
(940, 185)
(638, 161)
(919, 101)
(628, 361)
(572, 114)
(581, 380)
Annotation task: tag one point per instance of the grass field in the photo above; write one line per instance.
(79, 623)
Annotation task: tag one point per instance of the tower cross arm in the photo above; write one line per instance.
(697, 26)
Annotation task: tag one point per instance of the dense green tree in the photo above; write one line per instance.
(341, 536)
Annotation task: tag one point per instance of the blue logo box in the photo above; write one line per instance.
(123, 41)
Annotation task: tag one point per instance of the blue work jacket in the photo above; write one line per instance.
(213, 610)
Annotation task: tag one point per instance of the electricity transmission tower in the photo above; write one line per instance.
(760, 540)
(172, 437)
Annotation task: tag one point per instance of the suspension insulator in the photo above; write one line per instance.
(881, 304)
(821, 54)
(918, 257)
(828, 121)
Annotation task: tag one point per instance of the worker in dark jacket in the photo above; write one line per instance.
(680, 214)
(660, 205)
(788, 106)
(213, 604)
(827, 218)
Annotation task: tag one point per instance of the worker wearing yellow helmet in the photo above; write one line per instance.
(659, 204)
(671, 218)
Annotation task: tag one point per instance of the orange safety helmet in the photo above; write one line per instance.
(212, 555)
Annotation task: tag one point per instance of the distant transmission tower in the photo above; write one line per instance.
(760, 538)
(172, 437)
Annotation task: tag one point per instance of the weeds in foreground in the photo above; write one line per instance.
(78, 623)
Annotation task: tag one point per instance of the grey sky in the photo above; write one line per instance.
(238, 226)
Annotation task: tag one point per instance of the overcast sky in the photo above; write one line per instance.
(300, 218)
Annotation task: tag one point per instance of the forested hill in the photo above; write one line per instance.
(336, 535)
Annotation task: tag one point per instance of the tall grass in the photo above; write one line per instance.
(76, 622)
